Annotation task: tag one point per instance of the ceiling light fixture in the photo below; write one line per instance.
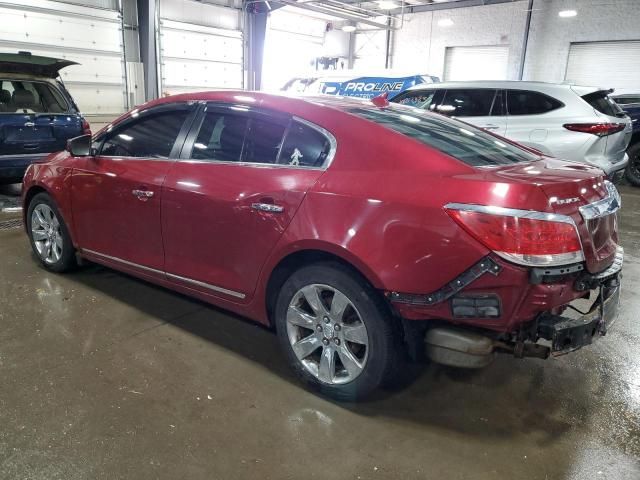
(349, 28)
(387, 4)
(445, 22)
(567, 13)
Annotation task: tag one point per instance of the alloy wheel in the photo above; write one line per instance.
(46, 234)
(327, 334)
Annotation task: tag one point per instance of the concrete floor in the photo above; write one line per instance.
(105, 376)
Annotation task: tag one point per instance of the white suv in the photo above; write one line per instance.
(565, 121)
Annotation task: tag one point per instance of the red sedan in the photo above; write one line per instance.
(361, 231)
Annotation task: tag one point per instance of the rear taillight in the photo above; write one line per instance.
(521, 236)
(86, 128)
(599, 129)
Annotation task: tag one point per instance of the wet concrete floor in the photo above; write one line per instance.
(105, 376)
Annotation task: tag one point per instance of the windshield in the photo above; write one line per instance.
(466, 143)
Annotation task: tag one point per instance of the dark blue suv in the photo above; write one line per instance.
(37, 114)
(630, 103)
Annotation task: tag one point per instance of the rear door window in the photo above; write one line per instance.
(526, 102)
(304, 146)
(151, 136)
(221, 136)
(23, 96)
(264, 138)
(467, 102)
(603, 103)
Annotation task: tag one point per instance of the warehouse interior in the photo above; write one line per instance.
(107, 375)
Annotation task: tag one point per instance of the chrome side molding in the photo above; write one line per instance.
(215, 288)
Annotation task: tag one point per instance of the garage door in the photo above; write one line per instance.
(605, 64)
(476, 63)
(90, 36)
(200, 47)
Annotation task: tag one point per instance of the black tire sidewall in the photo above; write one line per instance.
(372, 312)
(67, 259)
(632, 172)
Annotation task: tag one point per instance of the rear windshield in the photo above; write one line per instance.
(24, 96)
(603, 103)
(457, 139)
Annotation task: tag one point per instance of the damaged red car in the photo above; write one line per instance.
(365, 233)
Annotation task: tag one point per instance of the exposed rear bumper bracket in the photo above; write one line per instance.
(486, 265)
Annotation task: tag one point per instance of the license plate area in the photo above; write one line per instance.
(571, 332)
(28, 134)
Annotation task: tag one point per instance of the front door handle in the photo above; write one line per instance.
(268, 207)
(142, 195)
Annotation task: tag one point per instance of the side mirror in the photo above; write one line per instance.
(80, 146)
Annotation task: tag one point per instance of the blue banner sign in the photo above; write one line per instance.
(369, 87)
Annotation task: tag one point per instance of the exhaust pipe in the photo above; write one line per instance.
(463, 349)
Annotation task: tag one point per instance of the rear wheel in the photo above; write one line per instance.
(335, 331)
(632, 172)
(50, 239)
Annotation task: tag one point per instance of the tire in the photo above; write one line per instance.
(632, 172)
(49, 236)
(344, 345)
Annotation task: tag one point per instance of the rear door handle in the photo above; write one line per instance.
(142, 195)
(268, 207)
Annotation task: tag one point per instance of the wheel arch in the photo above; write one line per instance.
(290, 262)
(26, 200)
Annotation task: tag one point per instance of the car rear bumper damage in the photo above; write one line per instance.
(556, 330)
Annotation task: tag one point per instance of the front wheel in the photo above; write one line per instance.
(50, 239)
(335, 331)
(632, 172)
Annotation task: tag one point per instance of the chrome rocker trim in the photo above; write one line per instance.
(215, 288)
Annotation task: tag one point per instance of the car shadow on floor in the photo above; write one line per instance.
(510, 397)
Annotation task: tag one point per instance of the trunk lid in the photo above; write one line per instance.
(569, 186)
(25, 63)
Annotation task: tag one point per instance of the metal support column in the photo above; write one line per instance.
(255, 30)
(525, 40)
(147, 28)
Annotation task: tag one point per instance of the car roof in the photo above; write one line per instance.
(320, 109)
(507, 84)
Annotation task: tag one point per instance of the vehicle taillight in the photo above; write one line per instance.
(599, 129)
(521, 236)
(86, 128)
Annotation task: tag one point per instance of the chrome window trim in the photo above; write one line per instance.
(529, 260)
(606, 206)
(333, 143)
(215, 288)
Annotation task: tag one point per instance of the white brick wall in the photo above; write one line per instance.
(420, 44)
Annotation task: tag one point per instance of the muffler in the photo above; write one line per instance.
(463, 349)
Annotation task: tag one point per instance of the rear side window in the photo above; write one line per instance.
(525, 102)
(151, 136)
(467, 102)
(603, 103)
(221, 137)
(23, 96)
(304, 146)
(264, 139)
(457, 139)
